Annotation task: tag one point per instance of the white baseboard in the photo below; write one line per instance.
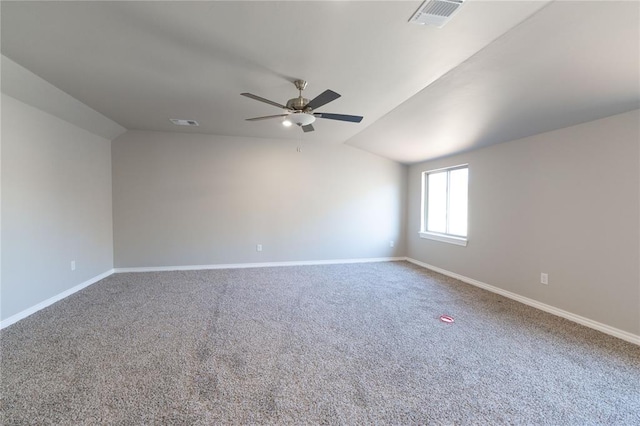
(256, 265)
(50, 301)
(621, 334)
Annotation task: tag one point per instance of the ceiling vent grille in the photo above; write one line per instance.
(436, 12)
(180, 122)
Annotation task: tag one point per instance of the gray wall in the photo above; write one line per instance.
(189, 199)
(56, 206)
(565, 203)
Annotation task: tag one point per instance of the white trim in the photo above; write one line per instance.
(612, 331)
(50, 301)
(446, 169)
(256, 265)
(459, 241)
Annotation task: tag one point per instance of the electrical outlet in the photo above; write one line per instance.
(258, 247)
(73, 265)
(391, 243)
(544, 278)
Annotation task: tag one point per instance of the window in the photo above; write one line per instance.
(444, 205)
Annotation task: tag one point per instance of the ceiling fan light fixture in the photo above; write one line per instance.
(301, 111)
(301, 118)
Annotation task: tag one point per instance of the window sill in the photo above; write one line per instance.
(460, 241)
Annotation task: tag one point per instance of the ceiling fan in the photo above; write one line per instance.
(300, 111)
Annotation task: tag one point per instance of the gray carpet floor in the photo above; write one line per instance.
(331, 344)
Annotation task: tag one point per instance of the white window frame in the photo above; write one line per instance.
(437, 236)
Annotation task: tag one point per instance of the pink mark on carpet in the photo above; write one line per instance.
(446, 318)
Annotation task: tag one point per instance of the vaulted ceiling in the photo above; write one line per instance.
(498, 71)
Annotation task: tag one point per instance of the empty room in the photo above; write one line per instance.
(320, 212)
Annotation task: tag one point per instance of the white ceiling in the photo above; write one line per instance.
(498, 71)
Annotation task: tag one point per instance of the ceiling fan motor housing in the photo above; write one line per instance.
(298, 103)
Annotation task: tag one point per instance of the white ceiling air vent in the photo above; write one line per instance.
(180, 122)
(436, 12)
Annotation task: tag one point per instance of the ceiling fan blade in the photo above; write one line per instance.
(323, 99)
(266, 101)
(341, 117)
(266, 117)
(308, 128)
